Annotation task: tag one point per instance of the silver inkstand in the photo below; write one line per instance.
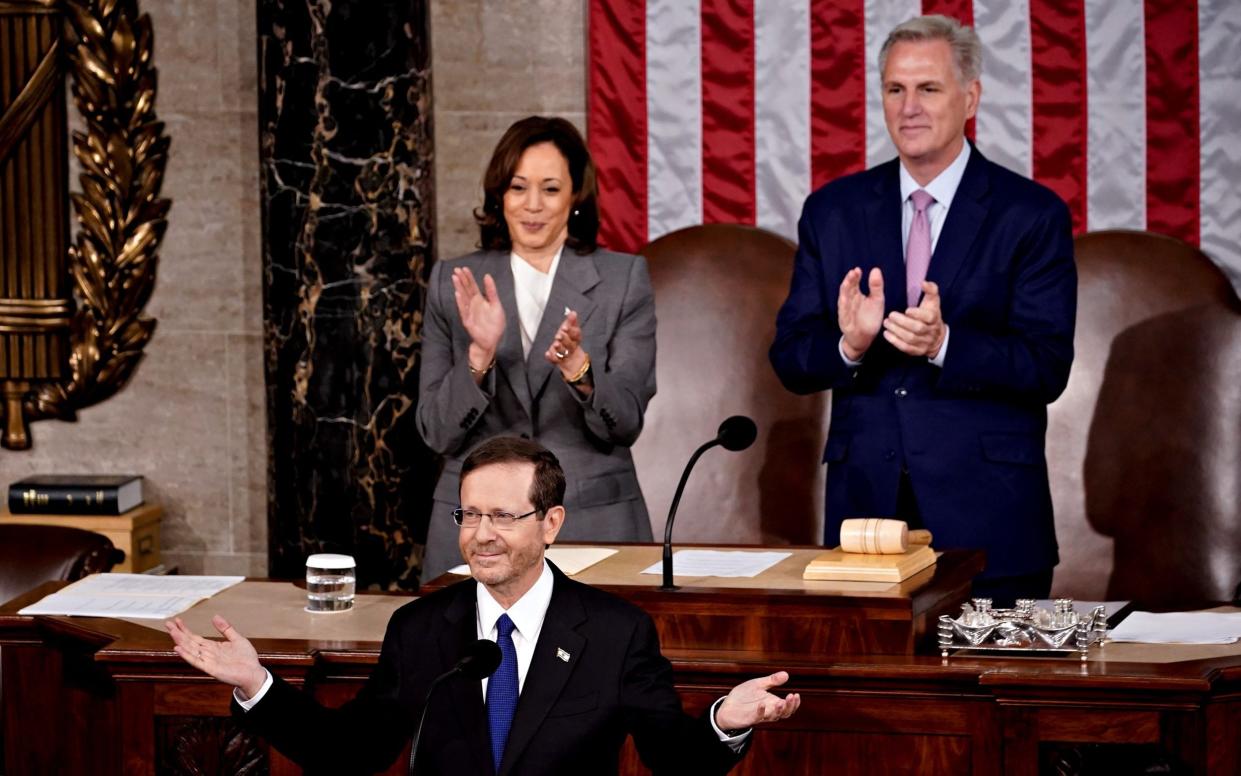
(1025, 629)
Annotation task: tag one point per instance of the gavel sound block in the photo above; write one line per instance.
(874, 550)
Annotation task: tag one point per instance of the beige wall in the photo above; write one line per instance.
(491, 67)
(193, 418)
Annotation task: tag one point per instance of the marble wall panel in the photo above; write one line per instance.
(345, 139)
(247, 420)
(510, 57)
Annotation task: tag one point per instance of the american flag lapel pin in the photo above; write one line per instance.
(560, 653)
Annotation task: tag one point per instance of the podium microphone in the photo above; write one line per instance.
(480, 660)
(736, 433)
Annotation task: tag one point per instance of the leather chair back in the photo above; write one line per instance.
(1144, 447)
(33, 554)
(717, 290)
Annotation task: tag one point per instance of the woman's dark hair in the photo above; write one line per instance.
(584, 213)
(548, 486)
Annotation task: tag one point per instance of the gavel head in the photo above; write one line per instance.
(874, 536)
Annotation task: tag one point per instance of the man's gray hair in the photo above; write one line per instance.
(966, 48)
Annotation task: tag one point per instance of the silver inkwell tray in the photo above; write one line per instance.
(1024, 629)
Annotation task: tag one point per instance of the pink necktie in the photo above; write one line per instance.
(918, 249)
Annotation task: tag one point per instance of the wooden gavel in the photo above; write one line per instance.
(880, 536)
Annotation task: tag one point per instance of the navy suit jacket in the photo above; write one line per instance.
(572, 716)
(971, 435)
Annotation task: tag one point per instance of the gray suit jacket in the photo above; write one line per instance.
(611, 293)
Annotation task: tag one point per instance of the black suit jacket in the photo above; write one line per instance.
(572, 717)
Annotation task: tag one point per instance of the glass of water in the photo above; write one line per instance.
(330, 582)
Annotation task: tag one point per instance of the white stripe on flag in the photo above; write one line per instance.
(1116, 100)
(1219, 86)
(674, 115)
(781, 112)
(881, 17)
(1004, 115)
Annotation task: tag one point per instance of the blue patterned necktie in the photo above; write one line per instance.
(502, 691)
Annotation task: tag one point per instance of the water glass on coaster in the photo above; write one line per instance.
(330, 582)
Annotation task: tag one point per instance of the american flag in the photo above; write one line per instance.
(706, 111)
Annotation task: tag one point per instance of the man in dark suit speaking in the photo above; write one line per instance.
(935, 295)
(581, 668)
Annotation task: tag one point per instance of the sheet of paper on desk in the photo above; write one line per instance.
(140, 596)
(570, 560)
(1179, 628)
(719, 563)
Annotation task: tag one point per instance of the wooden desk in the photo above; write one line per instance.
(98, 696)
(779, 608)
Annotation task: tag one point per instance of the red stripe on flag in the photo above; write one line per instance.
(1172, 139)
(962, 11)
(1058, 68)
(616, 119)
(837, 89)
(728, 111)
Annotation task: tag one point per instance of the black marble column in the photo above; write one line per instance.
(346, 161)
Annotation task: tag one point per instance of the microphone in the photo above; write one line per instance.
(735, 433)
(481, 659)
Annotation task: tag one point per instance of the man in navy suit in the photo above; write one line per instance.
(581, 668)
(935, 296)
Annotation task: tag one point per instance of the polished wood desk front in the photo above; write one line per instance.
(85, 695)
(779, 611)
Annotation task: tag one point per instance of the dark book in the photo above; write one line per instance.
(75, 494)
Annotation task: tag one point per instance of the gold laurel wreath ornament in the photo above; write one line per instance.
(123, 154)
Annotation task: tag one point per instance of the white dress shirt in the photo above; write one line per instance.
(532, 288)
(943, 188)
(527, 614)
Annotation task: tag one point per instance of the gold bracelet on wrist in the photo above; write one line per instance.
(482, 371)
(581, 373)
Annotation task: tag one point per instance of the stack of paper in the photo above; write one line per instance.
(719, 563)
(142, 596)
(1179, 628)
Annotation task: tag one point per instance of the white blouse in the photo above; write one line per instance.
(532, 288)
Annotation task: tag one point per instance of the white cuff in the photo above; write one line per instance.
(943, 349)
(734, 742)
(248, 703)
(841, 347)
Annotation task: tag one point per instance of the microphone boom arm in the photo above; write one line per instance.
(676, 501)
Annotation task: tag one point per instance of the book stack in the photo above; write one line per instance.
(75, 494)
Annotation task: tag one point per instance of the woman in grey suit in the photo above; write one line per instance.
(543, 335)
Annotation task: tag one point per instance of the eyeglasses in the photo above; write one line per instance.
(502, 521)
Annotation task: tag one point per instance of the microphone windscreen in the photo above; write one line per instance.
(480, 660)
(737, 433)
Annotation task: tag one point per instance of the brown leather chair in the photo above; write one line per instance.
(33, 554)
(1144, 447)
(717, 290)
